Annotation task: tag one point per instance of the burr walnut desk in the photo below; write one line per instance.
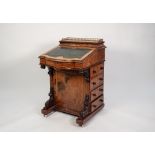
(76, 70)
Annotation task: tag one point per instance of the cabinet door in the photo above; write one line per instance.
(70, 90)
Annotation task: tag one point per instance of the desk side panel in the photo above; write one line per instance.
(94, 58)
(70, 91)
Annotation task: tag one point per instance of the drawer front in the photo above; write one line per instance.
(65, 65)
(95, 82)
(100, 68)
(96, 93)
(97, 103)
(95, 70)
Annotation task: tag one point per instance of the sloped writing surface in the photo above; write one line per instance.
(68, 52)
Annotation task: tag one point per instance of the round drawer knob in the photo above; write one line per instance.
(94, 106)
(101, 100)
(94, 94)
(94, 83)
(94, 71)
(100, 89)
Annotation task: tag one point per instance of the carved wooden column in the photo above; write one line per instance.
(50, 104)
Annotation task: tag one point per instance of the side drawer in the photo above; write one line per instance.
(95, 70)
(96, 93)
(97, 103)
(95, 82)
(100, 68)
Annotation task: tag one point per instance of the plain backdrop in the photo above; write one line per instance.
(129, 77)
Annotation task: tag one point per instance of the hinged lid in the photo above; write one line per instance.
(60, 53)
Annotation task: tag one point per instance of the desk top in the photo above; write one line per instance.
(74, 53)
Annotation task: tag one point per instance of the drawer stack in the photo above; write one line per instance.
(96, 86)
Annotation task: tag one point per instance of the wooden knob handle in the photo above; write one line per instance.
(101, 100)
(101, 79)
(100, 89)
(101, 68)
(94, 83)
(94, 71)
(94, 94)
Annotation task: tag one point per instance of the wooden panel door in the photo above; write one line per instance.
(70, 91)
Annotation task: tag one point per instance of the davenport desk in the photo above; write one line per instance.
(76, 70)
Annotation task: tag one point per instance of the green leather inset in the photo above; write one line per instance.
(68, 52)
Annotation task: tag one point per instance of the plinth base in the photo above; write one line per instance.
(79, 120)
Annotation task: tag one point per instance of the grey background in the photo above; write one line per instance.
(129, 77)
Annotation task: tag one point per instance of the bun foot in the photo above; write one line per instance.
(80, 121)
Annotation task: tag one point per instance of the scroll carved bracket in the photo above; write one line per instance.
(86, 74)
(51, 71)
(86, 108)
(42, 66)
(50, 103)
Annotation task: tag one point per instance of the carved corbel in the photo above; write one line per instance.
(86, 74)
(50, 104)
(42, 66)
(86, 108)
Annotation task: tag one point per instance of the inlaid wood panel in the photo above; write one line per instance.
(70, 91)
